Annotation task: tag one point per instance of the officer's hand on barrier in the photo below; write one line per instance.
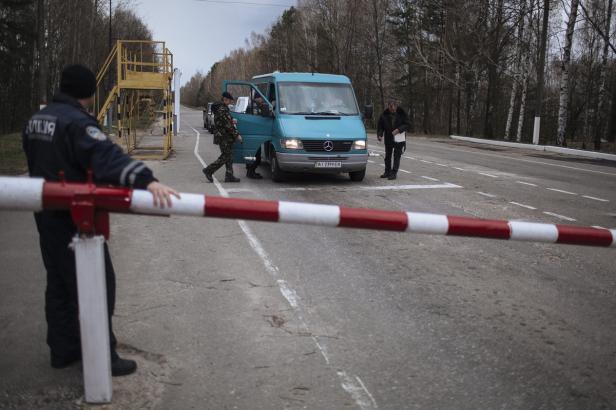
(162, 194)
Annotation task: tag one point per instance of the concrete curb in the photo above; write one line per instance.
(548, 148)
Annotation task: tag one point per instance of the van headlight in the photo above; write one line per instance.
(291, 143)
(359, 144)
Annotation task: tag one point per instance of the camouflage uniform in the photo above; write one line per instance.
(225, 135)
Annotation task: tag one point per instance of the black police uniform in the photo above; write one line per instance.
(64, 137)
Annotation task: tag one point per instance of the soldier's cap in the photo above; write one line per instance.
(227, 95)
(78, 81)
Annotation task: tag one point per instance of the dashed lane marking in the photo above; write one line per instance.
(561, 191)
(523, 205)
(501, 157)
(408, 187)
(594, 198)
(559, 216)
(487, 175)
(525, 183)
(429, 178)
(486, 194)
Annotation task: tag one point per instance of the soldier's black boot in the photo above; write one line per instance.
(252, 174)
(122, 367)
(392, 175)
(385, 174)
(230, 178)
(207, 175)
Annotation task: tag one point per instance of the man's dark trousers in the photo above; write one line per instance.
(395, 148)
(56, 230)
(252, 166)
(225, 158)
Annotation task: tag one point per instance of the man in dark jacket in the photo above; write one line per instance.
(392, 122)
(64, 137)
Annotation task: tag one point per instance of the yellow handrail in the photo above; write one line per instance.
(131, 66)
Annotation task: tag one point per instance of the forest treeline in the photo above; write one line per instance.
(39, 37)
(470, 67)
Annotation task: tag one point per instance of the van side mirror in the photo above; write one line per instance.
(368, 111)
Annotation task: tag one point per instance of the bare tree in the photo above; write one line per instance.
(541, 71)
(600, 128)
(564, 75)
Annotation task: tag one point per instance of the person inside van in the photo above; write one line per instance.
(393, 125)
(259, 107)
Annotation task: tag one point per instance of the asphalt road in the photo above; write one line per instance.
(222, 314)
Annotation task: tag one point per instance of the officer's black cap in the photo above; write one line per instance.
(227, 95)
(78, 81)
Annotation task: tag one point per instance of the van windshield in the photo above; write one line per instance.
(316, 99)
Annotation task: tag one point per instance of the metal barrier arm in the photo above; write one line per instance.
(35, 194)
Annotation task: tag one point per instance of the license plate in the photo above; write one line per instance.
(328, 164)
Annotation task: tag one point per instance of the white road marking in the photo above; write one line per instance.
(486, 194)
(521, 160)
(357, 390)
(563, 217)
(445, 185)
(426, 162)
(371, 161)
(459, 169)
(442, 165)
(413, 158)
(525, 183)
(407, 187)
(594, 198)
(354, 386)
(561, 191)
(429, 178)
(238, 190)
(487, 175)
(523, 205)
(405, 171)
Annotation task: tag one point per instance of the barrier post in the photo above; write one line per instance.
(93, 317)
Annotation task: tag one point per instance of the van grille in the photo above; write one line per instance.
(318, 146)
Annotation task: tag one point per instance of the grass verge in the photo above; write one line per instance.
(12, 157)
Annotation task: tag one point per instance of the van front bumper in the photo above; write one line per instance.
(307, 162)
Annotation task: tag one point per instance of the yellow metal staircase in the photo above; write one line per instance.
(137, 76)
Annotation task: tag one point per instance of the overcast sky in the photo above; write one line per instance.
(199, 33)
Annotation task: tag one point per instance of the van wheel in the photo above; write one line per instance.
(357, 176)
(277, 174)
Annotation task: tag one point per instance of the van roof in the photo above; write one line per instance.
(306, 77)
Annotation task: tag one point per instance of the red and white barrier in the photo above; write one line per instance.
(34, 194)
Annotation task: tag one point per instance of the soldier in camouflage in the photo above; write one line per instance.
(225, 135)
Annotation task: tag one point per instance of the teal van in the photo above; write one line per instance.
(300, 122)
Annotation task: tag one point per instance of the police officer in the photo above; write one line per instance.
(64, 137)
(225, 135)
